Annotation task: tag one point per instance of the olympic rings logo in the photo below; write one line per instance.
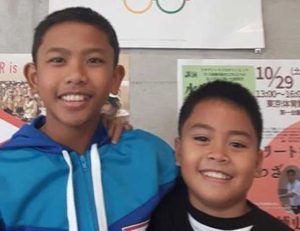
(129, 6)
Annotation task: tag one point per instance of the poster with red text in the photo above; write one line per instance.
(276, 85)
(18, 105)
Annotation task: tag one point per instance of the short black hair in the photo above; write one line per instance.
(226, 91)
(291, 171)
(75, 14)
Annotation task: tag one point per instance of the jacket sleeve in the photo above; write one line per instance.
(164, 164)
(2, 225)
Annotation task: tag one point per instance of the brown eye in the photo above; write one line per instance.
(57, 60)
(95, 60)
(202, 139)
(238, 145)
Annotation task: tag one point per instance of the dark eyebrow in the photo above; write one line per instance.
(67, 52)
(230, 133)
(95, 50)
(240, 133)
(202, 126)
(58, 49)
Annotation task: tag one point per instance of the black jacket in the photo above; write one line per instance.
(172, 215)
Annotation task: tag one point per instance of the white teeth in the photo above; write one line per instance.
(73, 97)
(217, 175)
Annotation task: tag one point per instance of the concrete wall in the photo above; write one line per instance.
(153, 90)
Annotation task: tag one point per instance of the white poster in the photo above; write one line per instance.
(276, 85)
(215, 24)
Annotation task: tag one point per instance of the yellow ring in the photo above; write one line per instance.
(138, 11)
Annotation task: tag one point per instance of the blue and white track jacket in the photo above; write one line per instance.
(48, 187)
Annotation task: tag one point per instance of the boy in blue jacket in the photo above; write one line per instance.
(61, 172)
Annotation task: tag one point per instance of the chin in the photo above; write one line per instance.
(214, 199)
(76, 122)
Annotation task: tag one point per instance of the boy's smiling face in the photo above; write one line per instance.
(218, 156)
(74, 74)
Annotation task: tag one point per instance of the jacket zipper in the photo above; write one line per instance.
(89, 186)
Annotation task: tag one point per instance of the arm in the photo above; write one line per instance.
(2, 225)
(113, 123)
(293, 192)
(287, 195)
(115, 127)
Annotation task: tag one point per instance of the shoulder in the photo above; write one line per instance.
(145, 140)
(265, 221)
(143, 135)
(143, 148)
(171, 213)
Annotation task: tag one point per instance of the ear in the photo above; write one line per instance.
(177, 145)
(259, 162)
(30, 74)
(119, 74)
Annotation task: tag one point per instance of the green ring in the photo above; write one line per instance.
(170, 11)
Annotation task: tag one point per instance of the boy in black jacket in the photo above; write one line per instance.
(220, 131)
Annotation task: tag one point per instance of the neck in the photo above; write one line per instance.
(76, 138)
(235, 209)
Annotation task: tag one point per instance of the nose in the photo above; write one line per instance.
(76, 75)
(218, 154)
